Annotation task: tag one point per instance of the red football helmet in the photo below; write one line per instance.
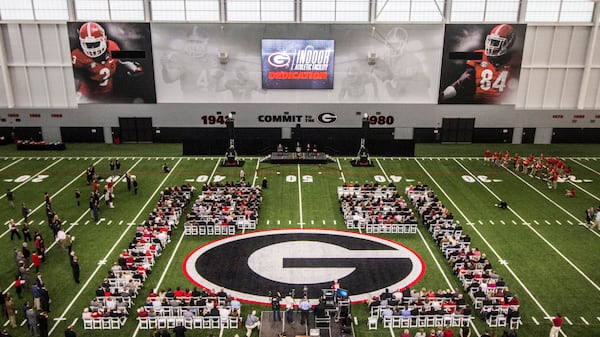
(499, 40)
(92, 39)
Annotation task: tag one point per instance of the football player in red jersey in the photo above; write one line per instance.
(486, 80)
(94, 65)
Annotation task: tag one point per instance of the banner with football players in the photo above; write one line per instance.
(481, 63)
(112, 62)
(200, 63)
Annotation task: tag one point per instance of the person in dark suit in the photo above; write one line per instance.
(43, 323)
(75, 267)
(44, 299)
(179, 330)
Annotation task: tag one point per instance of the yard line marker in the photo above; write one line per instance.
(584, 321)
(491, 222)
(312, 222)
(41, 223)
(480, 222)
(6, 324)
(514, 222)
(534, 230)
(289, 222)
(340, 168)
(568, 320)
(23, 323)
(547, 222)
(120, 222)
(323, 222)
(536, 222)
(535, 320)
(11, 164)
(502, 222)
(117, 242)
(382, 170)
(278, 222)
(268, 222)
(74, 321)
(86, 222)
(334, 222)
(558, 222)
(300, 196)
(508, 268)
(255, 173)
(569, 222)
(598, 318)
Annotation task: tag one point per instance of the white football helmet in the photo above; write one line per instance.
(92, 39)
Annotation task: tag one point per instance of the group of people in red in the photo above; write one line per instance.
(551, 169)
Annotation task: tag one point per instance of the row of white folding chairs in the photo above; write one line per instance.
(198, 322)
(501, 320)
(424, 321)
(104, 323)
(408, 228)
(193, 230)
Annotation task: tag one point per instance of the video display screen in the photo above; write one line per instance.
(297, 64)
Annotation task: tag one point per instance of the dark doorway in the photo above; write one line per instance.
(528, 136)
(135, 130)
(82, 134)
(457, 130)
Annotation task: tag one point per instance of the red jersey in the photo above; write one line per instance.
(490, 80)
(557, 321)
(97, 81)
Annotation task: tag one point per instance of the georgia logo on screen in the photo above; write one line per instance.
(251, 266)
(279, 59)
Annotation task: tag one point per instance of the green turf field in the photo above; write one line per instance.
(538, 245)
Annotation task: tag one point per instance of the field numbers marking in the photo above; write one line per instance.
(481, 178)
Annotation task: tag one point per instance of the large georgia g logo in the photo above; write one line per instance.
(250, 266)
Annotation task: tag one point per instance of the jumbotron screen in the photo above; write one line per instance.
(297, 64)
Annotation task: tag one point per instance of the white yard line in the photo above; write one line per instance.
(300, 197)
(32, 177)
(382, 170)
(117, 242)
(549, 200)
(587, 167)
(255, 173)
(508, 268)
(173, 254)
(11, 164)
(435, 260)
(533, 229)
(56, 193)
(75, 222)
(579, 186)
(341, 171)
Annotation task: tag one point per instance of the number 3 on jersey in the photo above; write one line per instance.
(487, 76)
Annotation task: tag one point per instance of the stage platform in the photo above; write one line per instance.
(298, 158)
